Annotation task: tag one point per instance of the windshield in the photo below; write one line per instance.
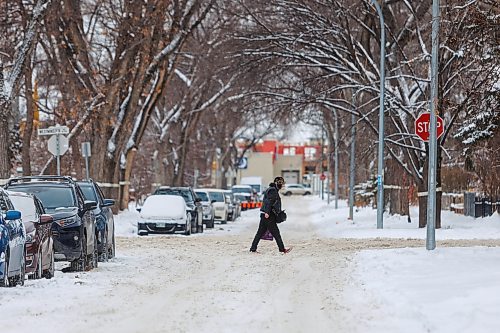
(25, 205)
(241, 190)
(256, 188)
(241, 197)
(51, 197)
(88, 192)
(185, 193)
(203, 196)
(217, 196)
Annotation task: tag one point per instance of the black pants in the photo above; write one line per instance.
(268, 224)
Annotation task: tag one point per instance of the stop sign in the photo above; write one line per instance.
(423, 126)
(52, 145)
(322, 177)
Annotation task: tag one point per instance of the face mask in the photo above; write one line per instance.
(279, 185)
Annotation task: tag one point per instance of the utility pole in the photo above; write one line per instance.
(431, 189)
(352, 166)
(322, 160)
(380, 167)
(336, 147)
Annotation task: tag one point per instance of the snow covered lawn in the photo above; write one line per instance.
(340, 277)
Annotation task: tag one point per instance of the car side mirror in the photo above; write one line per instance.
(89, 205)
(46, 219)
(213, 201)
(12, 215)
(108, 203)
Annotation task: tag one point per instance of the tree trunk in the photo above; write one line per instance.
(422, 204)
(28, 128)
(125, 187)
(4, 139)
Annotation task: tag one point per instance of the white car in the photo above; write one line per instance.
(297, 189)
(164, 214)
(220, 203)
(208, 207)
(245, 190)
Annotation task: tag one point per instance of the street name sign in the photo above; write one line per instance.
(54, 130)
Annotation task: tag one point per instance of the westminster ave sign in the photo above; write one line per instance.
(54, 130)
(423, 126)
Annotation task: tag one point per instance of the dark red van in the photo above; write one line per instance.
(39, 243)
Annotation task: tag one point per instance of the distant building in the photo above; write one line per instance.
(295, 163)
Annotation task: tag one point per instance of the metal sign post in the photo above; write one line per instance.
(431, 189)
(380, 167)
(86, 152)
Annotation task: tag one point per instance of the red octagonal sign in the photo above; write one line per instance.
(423, 125)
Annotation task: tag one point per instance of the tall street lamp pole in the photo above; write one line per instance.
(380, 175)
(431, 189)
(352, 168)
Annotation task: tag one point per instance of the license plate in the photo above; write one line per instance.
(160, 225)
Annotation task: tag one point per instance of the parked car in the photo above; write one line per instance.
(234, 206)
(12, 242)
(243, 201)
(297, 189)
(245, 190)
(40, 256)
(74, 226)
(193, 204)
(164, 213)
(208, 207)
(104, 218)
(221, 205)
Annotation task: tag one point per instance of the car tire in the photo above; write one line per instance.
(49, 274)
(39, 268)
(211, 223)
(200, 228)
(94, 257)
(19, 280)
(5, 282)
(188, 226)
(80, 265)
(104, 256)
(112, 254)
(288, 193)
(307, 193)
(225, 220)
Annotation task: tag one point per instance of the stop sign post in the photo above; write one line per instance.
(423, 125)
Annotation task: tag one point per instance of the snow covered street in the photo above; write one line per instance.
(210, 282)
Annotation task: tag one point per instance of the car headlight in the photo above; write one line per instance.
(67, 222)
(206, 210)
(30, 236)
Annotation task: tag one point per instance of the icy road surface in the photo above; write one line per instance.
(211, 283)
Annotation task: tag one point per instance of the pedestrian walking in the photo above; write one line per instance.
(271, 207)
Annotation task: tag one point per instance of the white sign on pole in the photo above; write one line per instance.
(86, 152)
(58, 146)
(53, 130)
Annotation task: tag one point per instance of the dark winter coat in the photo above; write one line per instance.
(271, 203)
